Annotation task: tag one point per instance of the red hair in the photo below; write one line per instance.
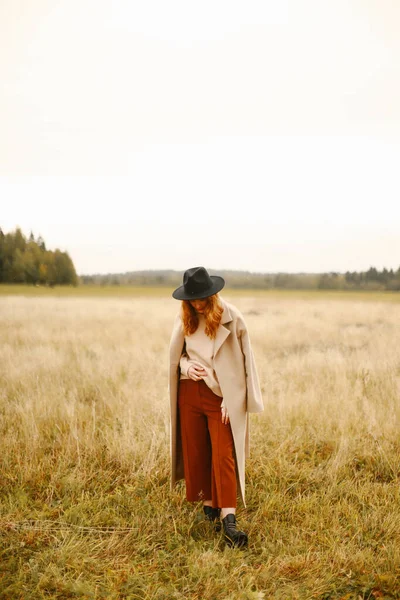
(212, 313)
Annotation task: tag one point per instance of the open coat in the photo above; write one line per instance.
(237, 375)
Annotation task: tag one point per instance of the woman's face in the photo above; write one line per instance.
(199, 305)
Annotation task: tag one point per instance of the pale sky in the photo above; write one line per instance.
(257, 135)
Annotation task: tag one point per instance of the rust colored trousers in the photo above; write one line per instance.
(207, 445)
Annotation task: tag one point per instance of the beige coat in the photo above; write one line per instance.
(236, 371)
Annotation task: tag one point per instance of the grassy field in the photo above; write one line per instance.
(85, 508)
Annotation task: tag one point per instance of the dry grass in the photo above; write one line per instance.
(86, 510)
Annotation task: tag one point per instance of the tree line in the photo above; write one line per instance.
(372, 279)
(27, 260)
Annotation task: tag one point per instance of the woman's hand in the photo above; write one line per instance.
(196, 371)
(224, 415)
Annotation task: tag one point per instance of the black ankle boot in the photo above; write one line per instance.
(212, 515)
(233, 536)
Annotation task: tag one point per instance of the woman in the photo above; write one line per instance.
(213, 385)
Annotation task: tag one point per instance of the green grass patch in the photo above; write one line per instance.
(95, 291)
(126, 291)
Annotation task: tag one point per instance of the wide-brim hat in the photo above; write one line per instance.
(197, 284)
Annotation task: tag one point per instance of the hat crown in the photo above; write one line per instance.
(196, 280)
(198, 284)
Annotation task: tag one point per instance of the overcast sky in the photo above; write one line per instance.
(258, 135)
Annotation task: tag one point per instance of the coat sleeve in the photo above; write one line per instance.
(254, 398)
(176, 347)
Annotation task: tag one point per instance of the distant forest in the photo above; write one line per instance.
(27, 260)
(367, 280)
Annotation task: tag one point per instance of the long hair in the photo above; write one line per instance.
(212, 314)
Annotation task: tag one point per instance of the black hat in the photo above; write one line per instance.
(197, 284)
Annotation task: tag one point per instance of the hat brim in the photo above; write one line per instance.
(217, 284)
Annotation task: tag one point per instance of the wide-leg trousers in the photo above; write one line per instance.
(207, 446)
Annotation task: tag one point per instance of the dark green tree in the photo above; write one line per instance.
(28, 261)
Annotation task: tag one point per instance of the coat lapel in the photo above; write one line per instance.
(222, 332)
